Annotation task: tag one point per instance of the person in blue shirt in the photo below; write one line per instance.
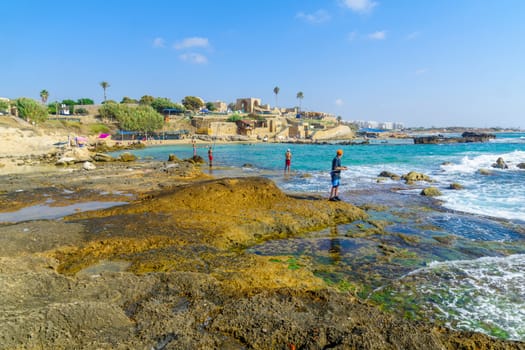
(336, 176)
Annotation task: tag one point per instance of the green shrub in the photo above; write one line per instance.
(31, 110)
(99, 129)
(81, 111)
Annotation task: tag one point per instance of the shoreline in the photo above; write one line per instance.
(120, 253)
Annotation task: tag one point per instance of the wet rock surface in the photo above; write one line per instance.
(170, 270)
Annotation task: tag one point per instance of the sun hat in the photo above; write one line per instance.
(339, 152)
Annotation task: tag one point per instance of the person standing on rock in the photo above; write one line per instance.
(336, 176)
(287, 161)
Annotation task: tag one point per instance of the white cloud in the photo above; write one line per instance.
(192, 42)
(193, 57)
(318, 16)
(159, 43)
(360, 6)
(421, 71)
(339, 102)
(380, 35)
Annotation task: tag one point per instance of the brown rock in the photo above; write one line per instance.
(413, 177)
(127, 157)
(430, 192)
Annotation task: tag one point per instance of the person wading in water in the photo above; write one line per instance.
(287, 160)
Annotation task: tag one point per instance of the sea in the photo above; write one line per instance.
(457, 259)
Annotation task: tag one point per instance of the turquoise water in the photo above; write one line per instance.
(500, 194)
(466, 269)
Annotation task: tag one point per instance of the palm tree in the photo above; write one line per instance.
(300, 97)
(104, 85)
(44, 94)
(276, 92)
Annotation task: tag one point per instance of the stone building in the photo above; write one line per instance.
(220, 106)
(248, 104)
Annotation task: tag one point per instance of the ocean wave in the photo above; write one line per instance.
(485, 295)
(470, 164)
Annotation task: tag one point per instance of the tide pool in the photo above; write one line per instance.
(457, 261)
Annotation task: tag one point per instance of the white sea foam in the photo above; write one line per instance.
(473, 164)
(499, 194)
(481, 295)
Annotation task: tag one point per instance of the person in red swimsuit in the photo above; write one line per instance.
(287, 160)
(210, 156)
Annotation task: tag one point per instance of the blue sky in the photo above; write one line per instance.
(419, 62)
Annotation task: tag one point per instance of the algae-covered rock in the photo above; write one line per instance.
(197, 159)
(500, 164)
(173, 158)
(521, 165)
(390, 175)
(103, 157)
(413, 177)
(127, 157)
(430, 192)
(238, 211)
(455, 186)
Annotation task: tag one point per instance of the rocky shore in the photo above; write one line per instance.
(169, 270)
(170, 267)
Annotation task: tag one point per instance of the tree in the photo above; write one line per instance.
(44, 94)
(109, 111)
(146, 100)
(192, 103)
(4, 106)
(276, 92)
(85, 101)
(104, 85)
(234, 118)
(210, 106)
(339, 118)
(128, 100)
(300, 97)
(141, 118)
(31, 110)
(161, 103)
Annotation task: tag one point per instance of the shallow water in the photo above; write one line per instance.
(427, 258)
(419, 237)
(44, 211)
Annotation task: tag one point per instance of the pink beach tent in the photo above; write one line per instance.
(103, 136)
